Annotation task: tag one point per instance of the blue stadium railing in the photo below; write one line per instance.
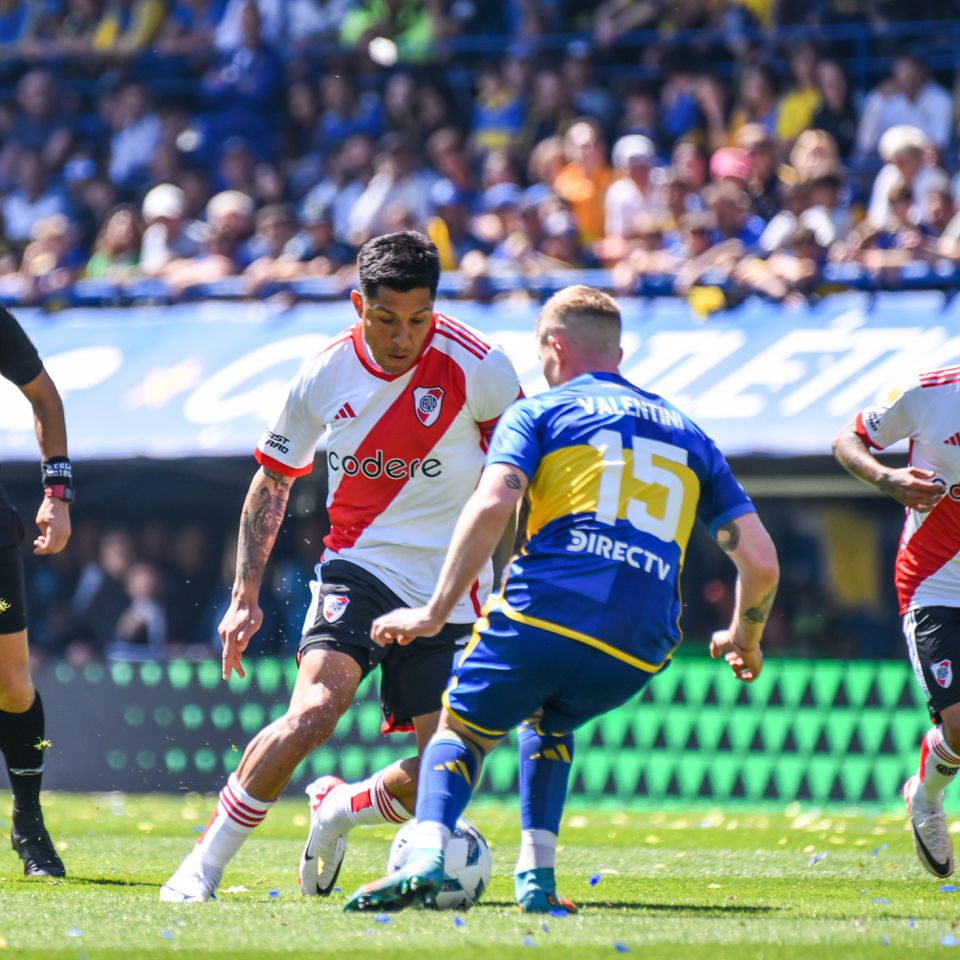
(943, 275)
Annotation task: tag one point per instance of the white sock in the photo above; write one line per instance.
(430, 835)
(362, 804)
(236, 815)
(938, 764)
(538, 848)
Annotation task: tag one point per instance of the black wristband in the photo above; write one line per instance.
(56, 472)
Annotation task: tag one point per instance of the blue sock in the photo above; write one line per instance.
(448, 774)
(544, 773)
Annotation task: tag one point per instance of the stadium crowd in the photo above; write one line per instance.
(189, 142)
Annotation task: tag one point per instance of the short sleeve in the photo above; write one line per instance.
(516, 440)
(289, 444)
(19, 361)
(492, 387)
(722, 499)
(895, 418)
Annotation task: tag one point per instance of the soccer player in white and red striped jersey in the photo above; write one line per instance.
(927, 413)
(410, 398)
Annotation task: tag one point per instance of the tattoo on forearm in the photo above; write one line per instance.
(512, 481)
(262, 517)
(761, 611)
(728, 537)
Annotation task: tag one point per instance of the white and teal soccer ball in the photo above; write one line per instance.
(466, 864)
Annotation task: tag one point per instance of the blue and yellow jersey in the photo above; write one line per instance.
(617, 478)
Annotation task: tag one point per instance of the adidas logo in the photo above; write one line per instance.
(953, 441)
(345, 413)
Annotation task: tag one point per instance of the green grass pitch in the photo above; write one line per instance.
(679, 882)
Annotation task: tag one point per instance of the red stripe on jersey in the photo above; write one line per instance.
(934, 544)
(861, 431)
(943, 381)
(475, 597)
(268, 463)
(469, 347)
(945, 372)
(358, 344)
(359, 500)
(457, 327)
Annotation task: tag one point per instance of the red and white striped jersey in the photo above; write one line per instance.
(404, 452)
(927, 413)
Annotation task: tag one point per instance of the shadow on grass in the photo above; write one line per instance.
(107, 882)
(733, 909)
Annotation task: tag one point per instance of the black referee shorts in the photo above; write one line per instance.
(13, 591)
(346, 601)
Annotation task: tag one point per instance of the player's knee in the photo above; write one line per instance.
(311, 724)
(950, 722)
(16, 694)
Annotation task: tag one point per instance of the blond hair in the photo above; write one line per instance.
(589, 317)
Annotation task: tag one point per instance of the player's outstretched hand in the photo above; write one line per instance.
(746, 664)
(53, 522)
(403, 626)
(913, 487)
(238, 625)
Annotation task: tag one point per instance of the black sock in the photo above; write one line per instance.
(21, 735)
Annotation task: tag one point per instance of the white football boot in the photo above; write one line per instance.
(325, 849)
(930, 837)
(192, 882)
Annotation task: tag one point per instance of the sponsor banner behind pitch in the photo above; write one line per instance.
(203, 379)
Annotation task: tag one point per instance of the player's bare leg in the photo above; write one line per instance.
(326, 684)
(22, 744)
(336, 808)
(923, 793)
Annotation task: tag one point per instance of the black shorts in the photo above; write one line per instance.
(933, 642)
(346, 601)
(13, 591)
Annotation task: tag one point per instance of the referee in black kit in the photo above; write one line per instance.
(22, 739)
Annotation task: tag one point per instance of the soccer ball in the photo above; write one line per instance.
(466, 864)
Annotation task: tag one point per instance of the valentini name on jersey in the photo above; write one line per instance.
(404, 452)
(927, 412)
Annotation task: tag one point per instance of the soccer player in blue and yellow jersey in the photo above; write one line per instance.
(589, 611)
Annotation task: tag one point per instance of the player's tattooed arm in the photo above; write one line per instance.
(263, 513)
(728, 537)
(759, 613)
(513, 481)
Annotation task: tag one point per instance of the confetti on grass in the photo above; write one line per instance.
(167, 934)
(595, 879)
(880, 900)
(274, 894)
(621, 947)
(948, 941)
(383, 918)
(949, 888)
(74, 932)
(459, 922)
(528, 942)
(558, 912)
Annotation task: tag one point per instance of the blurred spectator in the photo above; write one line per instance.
(634, 194)
(799, 104)
(344, 112)
(759, 148)
(908, 98)
(116, 254)
(51, 261)
(689, 162)
(40, 125)
(757, 100)
(33, 197)
(584, 181)
(790, 274)
(399, 181)
(640, 115)
(169, 233)
(349, 170)
(836, 114)
(274, 227)
(189, 587)
(546, 162)
(190, 28)
(141, 632)
(69, 36)
(100, 597)
(413, 26)
(730, 207)
(231, 29)
(18, 21)
(128, 26)
(499, 113)
(903, 150)
(550, 112)
(450, 227)
(137, 131)
(587, 97)
(242, 90)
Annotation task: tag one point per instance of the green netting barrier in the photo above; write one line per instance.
(819, 731)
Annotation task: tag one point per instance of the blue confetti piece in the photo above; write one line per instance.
(74, 932)
(948, 941)
(544, 928)
(885, 941)
(274, 894)
(338, 889)
(876, 852)
(198, 829)
(949, 888)
(167, 934)
(884, 846)
(912, 922)
(595, 879)
(528, 942)
(459, 922)
(621, 948)
(558, 912)
(383, 918)
(880, 900)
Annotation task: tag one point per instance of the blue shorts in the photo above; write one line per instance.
(511, 672)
